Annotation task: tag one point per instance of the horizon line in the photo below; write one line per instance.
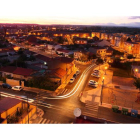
(74, 24)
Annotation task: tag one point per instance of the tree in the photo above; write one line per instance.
(116, 52)
(20, 51)
(32, 58)
(137, 83)
(127, 66)
(99, 61)
(93, 56)
(22, 57)
(4, 62)
(84, 57)
(42, 82)
(71, 55)
(116, 63)
(130, 56)
(18, 63)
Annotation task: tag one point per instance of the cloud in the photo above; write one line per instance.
(106, 24)
(131, 24)
(134, 17)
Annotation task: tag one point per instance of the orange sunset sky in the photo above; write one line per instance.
(69, 12)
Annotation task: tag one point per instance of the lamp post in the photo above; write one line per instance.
(102, 89)
(105, 69)
(136, 70)
(28, 108)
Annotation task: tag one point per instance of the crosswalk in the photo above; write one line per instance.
(63, 92)
(47, 121)
(91, 110)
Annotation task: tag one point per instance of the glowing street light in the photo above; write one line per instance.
(136, 70)
(105, 69)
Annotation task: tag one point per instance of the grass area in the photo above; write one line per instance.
(120, 72)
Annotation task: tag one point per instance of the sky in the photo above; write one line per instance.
(76, 12)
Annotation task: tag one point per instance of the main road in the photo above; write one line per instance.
(60, 108)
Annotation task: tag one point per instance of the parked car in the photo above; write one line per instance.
(77, 72)
(96, 71)
(18, 88)
(93, 85)
(74, 76)
(4, 85)
(93, 82)
(72, 80)
(95, 75)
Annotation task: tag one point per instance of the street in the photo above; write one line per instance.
(60, 109)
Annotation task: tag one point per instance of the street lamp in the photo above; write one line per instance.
(136, 70)
(102, 90)
(105, 69)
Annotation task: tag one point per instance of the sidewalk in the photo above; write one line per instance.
(36, 117)
(94, 94)
(52, 93)
(43, 91)
(63, 85)
(107, 113)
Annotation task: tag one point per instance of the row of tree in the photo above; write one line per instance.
(42, 82)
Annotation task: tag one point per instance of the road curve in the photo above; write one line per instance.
(78, 84)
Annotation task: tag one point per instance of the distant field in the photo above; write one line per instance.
(120, 72)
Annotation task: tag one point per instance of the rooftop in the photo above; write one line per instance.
(8, 103)
(9, 69)
(64, 59)
(63, 50)
(59, 72)
(42, 57)
(23, 71)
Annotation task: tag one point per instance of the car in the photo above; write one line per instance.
(74, 76)
(93, 85)
(93, 82)
(77, 72)
(95, 75)
(72, 80)
(4, 85)
(96, 71)
(18, 88)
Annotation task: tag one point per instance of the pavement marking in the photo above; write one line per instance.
(40, 120)
(55, 122)
(47, 121)
(51, 122)
(44, 121)
(74, 90)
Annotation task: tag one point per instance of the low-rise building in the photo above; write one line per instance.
(99, 51)
(63, 52)
(132, 48)
(7, 71)
(80, 41)
(16, 72)
(10, 107)
(60, 68)
(22, 73)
